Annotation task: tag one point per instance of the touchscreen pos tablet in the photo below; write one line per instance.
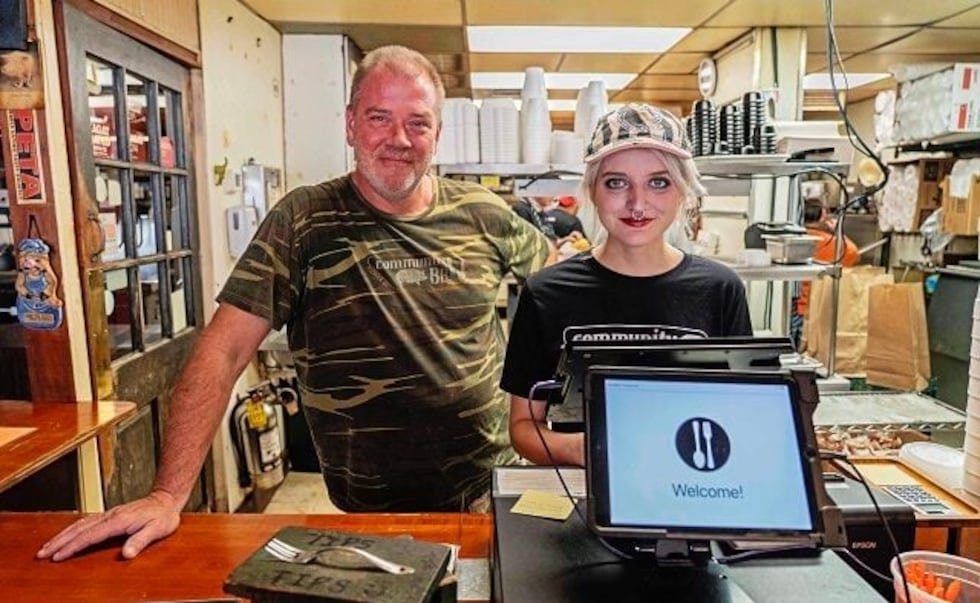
(639, 345)
(697, 454)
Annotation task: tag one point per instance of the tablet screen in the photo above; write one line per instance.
(698, 453)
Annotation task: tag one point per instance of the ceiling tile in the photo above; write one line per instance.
(661, 82)
(606, 63)
(645, 95)
(970, 18)
(429, 12)
(447, 63)
(854, 39)
(936, 41)
(563, 12)
(863, 12)
(708, 39)
(425, 39)
(678, 62)
(459, 93)
(507, 61)
(876, 62)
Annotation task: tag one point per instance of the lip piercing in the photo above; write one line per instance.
(637, 214)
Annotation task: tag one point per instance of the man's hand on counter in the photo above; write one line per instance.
(145, 521)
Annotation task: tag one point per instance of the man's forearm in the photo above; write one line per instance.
(196, 407)
(200, 397)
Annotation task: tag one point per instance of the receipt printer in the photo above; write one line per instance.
(866, 536)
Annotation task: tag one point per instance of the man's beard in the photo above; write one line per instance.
(380, 181)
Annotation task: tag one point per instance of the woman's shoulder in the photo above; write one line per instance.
(711, 267)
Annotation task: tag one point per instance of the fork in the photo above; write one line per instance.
(284, 551)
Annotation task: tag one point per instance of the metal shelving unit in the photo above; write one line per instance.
(886, 411)
(777, 272)
(562, 178)
(734, 175)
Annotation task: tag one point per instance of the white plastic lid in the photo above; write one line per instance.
(942, 464)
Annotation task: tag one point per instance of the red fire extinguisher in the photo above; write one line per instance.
(258, 443)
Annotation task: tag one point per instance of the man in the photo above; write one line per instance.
(820, 224)
(559, 226)
(386, 279)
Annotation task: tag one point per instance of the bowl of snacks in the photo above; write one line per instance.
(936, 578)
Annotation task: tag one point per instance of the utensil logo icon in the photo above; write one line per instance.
(702, 444)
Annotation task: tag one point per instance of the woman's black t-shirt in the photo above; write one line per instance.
(697, 297)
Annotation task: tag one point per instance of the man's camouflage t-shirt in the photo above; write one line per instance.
(394, 332)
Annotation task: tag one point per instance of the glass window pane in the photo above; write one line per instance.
(150, 292)
(168, 150)
(173, 223)
(178, 296)
(139, 140)
(188, 281)
(108, 195)
(145, 218)
(118, 310)
(99, 79)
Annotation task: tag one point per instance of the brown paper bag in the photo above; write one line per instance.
(898, 339)
(852, 318)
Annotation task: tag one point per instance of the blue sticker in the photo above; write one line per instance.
(38, 306)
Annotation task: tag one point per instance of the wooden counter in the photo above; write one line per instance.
(957, 533)
(55, 428)
(193, 563)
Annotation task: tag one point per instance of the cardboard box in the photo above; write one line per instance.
(960, 215)
(964, 115)
(932, 173)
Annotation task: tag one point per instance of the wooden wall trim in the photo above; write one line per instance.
(48, 352)
(133, 29)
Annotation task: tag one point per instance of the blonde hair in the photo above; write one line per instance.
(401, 60)
(683, 173)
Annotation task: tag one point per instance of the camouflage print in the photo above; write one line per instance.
(395, 336)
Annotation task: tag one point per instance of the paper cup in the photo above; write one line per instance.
(971, 483)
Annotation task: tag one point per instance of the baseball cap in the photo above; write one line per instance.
(567, 201)
(638, 125)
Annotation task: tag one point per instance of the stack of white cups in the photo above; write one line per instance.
(591, 105)
(499, 131)
(460, 140)
(566, 148)
(971, 443)
(535, 118)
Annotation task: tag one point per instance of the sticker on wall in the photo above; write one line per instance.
(25, 153)
(38, 306)
(21, 85)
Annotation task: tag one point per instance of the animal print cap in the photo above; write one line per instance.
(636, 125)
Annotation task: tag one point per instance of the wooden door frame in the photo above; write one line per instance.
(75, 26)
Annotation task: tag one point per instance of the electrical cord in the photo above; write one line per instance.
(853, 136)
(757, 553)
(850, 555)
(550, 384)
(555, 384)
(835, 458)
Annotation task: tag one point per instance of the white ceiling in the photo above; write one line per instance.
(872, 34)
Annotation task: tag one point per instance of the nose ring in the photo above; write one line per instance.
(637, 214)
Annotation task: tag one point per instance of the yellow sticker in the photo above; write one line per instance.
(490, 181)
(256, 415)
(543, 504)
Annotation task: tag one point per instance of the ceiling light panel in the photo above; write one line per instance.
(535, 38)
(821, 81)
(554, 81)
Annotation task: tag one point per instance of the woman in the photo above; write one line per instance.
(640, 177)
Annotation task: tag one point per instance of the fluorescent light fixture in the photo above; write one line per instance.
(533, 38)
(554, 104)
(821, 81)
(514, 80)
